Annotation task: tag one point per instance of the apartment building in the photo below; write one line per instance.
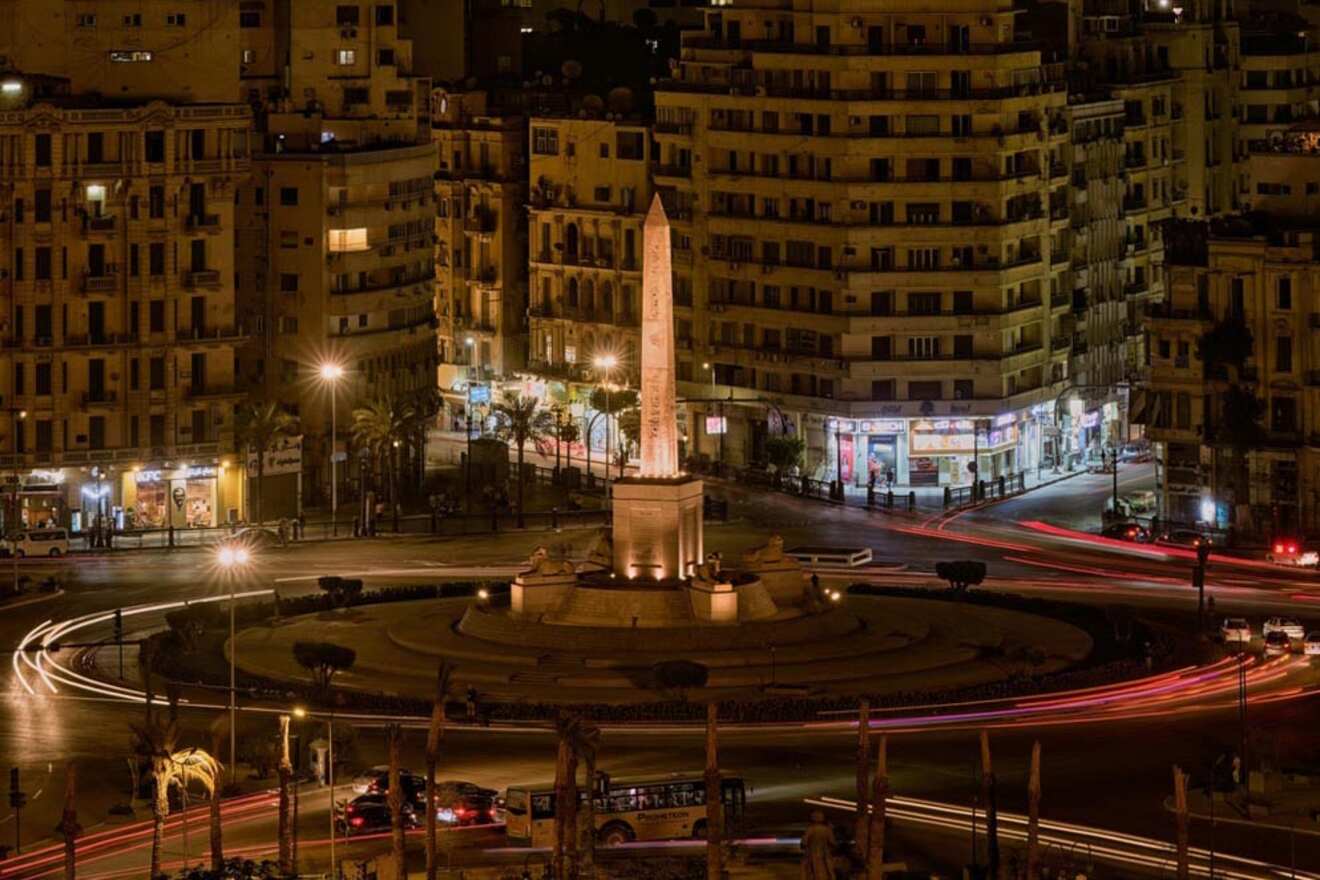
(481, 242)
(1260, 278)
(120, 151)
(1279, 122)
(590, 188)
(870, 210)
(336, 262)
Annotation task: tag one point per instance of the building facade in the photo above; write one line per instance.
(869, 209)
(1261, 279)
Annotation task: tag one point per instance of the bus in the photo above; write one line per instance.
(627, 809)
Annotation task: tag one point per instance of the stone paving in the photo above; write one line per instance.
(873, 644)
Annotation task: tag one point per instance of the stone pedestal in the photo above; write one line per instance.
(781, 574)
(713, 602)
(543, 586)
(657, 527)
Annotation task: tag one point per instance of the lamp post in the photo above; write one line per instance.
(232, 559)
(606, 363)
(710, 368)
(332, 373)
(15, 416)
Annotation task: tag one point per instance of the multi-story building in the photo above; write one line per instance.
(337, 253)
(1258, 278)
(590, 189)
(122, 149)
(1280, 117)
(481, 238)
(869, 211)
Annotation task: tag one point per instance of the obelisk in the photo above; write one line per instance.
(659, 417)
(657, 520)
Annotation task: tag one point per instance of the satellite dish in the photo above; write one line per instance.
(593, 104)
(620, 99)
(571, 69)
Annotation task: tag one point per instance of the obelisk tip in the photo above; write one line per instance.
(656, 216)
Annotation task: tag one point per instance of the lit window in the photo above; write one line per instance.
(346, 57)
(95, 192)
(130, 55)
(11, 87)
(249, 56)
(347, 240)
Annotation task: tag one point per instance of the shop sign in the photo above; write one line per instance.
(147, 476)
(716, 425)
(1004, 420)
(887, 426)
(54, 477)
(478, 394)
(199, 472)
(284, 457)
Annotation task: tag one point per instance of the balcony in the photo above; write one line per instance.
(921, 47)
(481, 222)
(98, 224)
(204, 222)
(680, 171)
(99, 283)
(98, 398)
(1136, 288)
(1313, 378)
(201, 334)
(193, 392)
(201, 278)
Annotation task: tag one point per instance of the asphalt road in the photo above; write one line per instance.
(1114, 775)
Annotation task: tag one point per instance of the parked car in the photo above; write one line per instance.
(375, 779)
(1136, 453)
(37, 542)
(1235, 629)
(1286, 625)
(1311, 646)
(1277, 643)
(370, 813)
(1125, 531)
(1185, 538)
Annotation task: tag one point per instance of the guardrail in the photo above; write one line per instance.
(1005, 486)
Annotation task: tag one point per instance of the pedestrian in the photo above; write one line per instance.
(818, 845)
(471, 705)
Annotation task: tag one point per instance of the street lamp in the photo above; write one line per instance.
(710, 368)
(232, 559)
(300, 713)
(332, 373)
(15, 416)
(606, 363)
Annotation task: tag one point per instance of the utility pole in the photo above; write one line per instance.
(17, 800)
(119, 638)
(1116, 480)
(1198, 581)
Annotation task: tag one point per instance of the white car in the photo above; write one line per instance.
(372, 779)
(1286, 625)
(1236, 629)
(38, 542)
(1311, 647)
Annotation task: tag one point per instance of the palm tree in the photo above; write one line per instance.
(875, 835)
(284, 828)
(521, 419)
(587, 744)
(566, 726)
(69, 826)
(424, 406)
(433, 735)
(381, 425)
(1033, 815)
(863, 773)
(258, 426)
(396, 800)
(217, 839)
(714, 813)
(988, 804)
(155, 740)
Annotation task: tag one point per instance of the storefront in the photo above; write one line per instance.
(189, 496)
(36, 499)
(923, 452)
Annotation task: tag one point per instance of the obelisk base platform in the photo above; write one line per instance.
(658, 525)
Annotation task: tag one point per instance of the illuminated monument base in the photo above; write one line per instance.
(657, 528)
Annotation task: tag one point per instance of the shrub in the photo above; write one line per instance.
(323, 660)
(961, 574)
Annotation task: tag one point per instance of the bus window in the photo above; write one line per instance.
(687, 794)
(543, 806)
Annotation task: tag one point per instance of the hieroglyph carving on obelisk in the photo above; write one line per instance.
(659, 395)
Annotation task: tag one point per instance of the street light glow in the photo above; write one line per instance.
(605, 361)
(229, 556)
(298, 712)
(470, 341)
(331, 372)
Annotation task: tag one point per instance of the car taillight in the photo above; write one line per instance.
(1278, 548)
(356, 821)
(1292, 548)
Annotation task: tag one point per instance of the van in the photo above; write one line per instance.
(38, 542)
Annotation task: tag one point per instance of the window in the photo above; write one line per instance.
(87, 20)
(18, 265)
(288, 324)
(288, 282)
(923, 347)
(923, 303)
(130, 56)
(155, 146)
(924, 258)
(345, 57)
(924, 390)
(963, 389)
(601, 193)
(881, 349)
(156, 374)
(41, 269)
(43, 154)
(133, 20)
(384, 57)
(631, 145)
(348, 240)
(1283, 358)
(1284, 289)
(346, 15)
(545, 141)
(156, 316)
(176, 19)
(249, 19)
(156, 258)
(604, 150)
(384, 15)
(289, 196)
(43, 378)
(962, 302)
(882, 389)
(249, 56)
(1283, 414)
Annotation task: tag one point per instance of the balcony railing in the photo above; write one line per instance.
(201, 278)
(204, 221)
(99, 283)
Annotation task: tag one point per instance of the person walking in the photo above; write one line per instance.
(818, 846)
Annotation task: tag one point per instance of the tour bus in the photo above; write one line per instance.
(641, 808)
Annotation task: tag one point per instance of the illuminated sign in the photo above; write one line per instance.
(715, 425)
(147, 476)
(200, 472)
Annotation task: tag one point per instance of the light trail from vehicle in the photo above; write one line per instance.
(1113, 847)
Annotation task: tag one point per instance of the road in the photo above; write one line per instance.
(1112, 772)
